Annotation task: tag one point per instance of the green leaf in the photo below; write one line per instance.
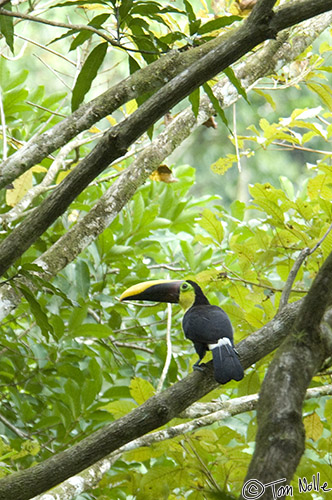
(267, 97)
(212, 225)
(133, 65)
(216, 105)
(94, 330)
(194, 23)
(236, 82)
(141, 390)
(216, 24)
(124, 8)
(120, 408)
(37, 310)
(63, 36)
(7, 28)
(88, 73)
(89, 393)
(138, 211)
(194, 101)
(84, 35)
(188, 253)
(82, 275)
(323, 91)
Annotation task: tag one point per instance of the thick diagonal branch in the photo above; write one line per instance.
(280, 436)
(154, 413)
(262, 63)
(118, 139)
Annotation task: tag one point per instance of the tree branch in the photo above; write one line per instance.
(204, 414)
(280, 436)
(149, 78)
(155, 412)
(57, 24)
(262, 63)
(295, 269)
(116, 141)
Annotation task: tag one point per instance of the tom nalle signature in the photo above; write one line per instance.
(254, 489)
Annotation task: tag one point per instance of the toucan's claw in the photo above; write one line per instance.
(200, 367)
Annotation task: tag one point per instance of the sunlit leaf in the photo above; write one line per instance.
(141, 390)
(313, 426)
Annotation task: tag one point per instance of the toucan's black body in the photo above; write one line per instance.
(207, 326)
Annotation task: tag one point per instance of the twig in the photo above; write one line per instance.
(301, 148)
(169, 349)
(296, 266)
(236, 142)
(18, 432)
(259, 285)
(167, 266)
(54, 72)
(321, 240)
(3, 126)
(57, 165)
(46, 109)
(291, 277)
(41, 46)
(231, 408)
(133, 346)
(205, 469)
(76, 27)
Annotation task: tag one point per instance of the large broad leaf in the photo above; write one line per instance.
(88, 74)
(37, 310)
(7, 28)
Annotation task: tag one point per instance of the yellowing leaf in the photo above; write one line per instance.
(223, 164)
(140, 455)
(61, 176)
(119, 408)
(212, 225)
(326, 244)
(163, 174)
(318, 188)
(313, 426)
(141, 390)
(94, 130)
(267, 97)
(131, 106)
(323, 91)
(38, 169)
(111, 120)
(21, 186)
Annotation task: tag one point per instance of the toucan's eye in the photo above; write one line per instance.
(184, 286)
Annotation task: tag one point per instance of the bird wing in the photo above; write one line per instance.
(207, 324)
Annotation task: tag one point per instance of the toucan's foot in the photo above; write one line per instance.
(238, 355)
(199, 367)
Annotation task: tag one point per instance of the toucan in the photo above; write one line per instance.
(206, 325)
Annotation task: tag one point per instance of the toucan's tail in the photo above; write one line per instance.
(226, 362)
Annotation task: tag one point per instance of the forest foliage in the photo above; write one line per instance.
(74, 358)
